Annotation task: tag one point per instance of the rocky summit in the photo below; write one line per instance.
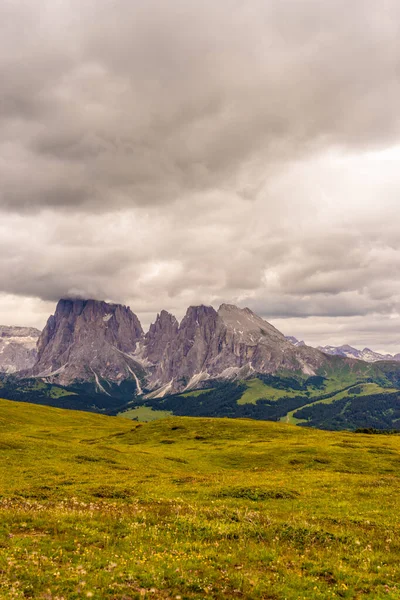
(88, 340)
(93, 341)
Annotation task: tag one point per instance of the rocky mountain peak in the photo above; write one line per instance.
(86, 339)
(185, 355)
(92, 310)
(366, 354)
(295, 341)
(199, 321)
(164, 315)
(160, 335)
(228, 307)
(200, 312)
(164, 320)
(247, 324)
(348, 348)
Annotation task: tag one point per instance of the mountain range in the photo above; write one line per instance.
(93, 341)
(93, 355)
(366, 354)
(90, 340)
(347, 351)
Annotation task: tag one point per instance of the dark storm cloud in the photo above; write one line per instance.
(141, 103)
(163, 154)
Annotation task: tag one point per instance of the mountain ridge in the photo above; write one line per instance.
(95, 356)
(348, 351)
(91, 340)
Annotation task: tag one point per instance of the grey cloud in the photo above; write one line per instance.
(345, 304)
(378, 332)
(165, 260)
(166, 154)
(154, 101)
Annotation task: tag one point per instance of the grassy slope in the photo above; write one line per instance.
(257, 389)
(272, 398)
(195, 393)
(98, 507)
(338, 378)
(365, 390)
(144, 414)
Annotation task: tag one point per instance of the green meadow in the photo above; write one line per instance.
(257, 389)
(194, 508)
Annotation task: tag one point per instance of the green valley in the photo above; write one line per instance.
(290, 398)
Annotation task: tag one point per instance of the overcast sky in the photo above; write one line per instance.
(162, 154)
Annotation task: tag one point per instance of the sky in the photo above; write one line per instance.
(165, 154)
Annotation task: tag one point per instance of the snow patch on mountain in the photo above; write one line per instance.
(347, 351)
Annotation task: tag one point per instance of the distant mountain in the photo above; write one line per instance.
(295, 341)
(17, 348)
(348, 351)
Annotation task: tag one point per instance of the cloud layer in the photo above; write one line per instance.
(169, 153)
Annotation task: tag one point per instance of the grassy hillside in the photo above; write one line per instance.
(100, 507)
(361, 392)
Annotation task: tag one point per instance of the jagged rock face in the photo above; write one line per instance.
(160, 335)
(249, 342)
(17, 348)
(228, 343)
(86, 340)
(187, 352)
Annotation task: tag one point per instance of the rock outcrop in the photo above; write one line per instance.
(160, 336)
(187, 353)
